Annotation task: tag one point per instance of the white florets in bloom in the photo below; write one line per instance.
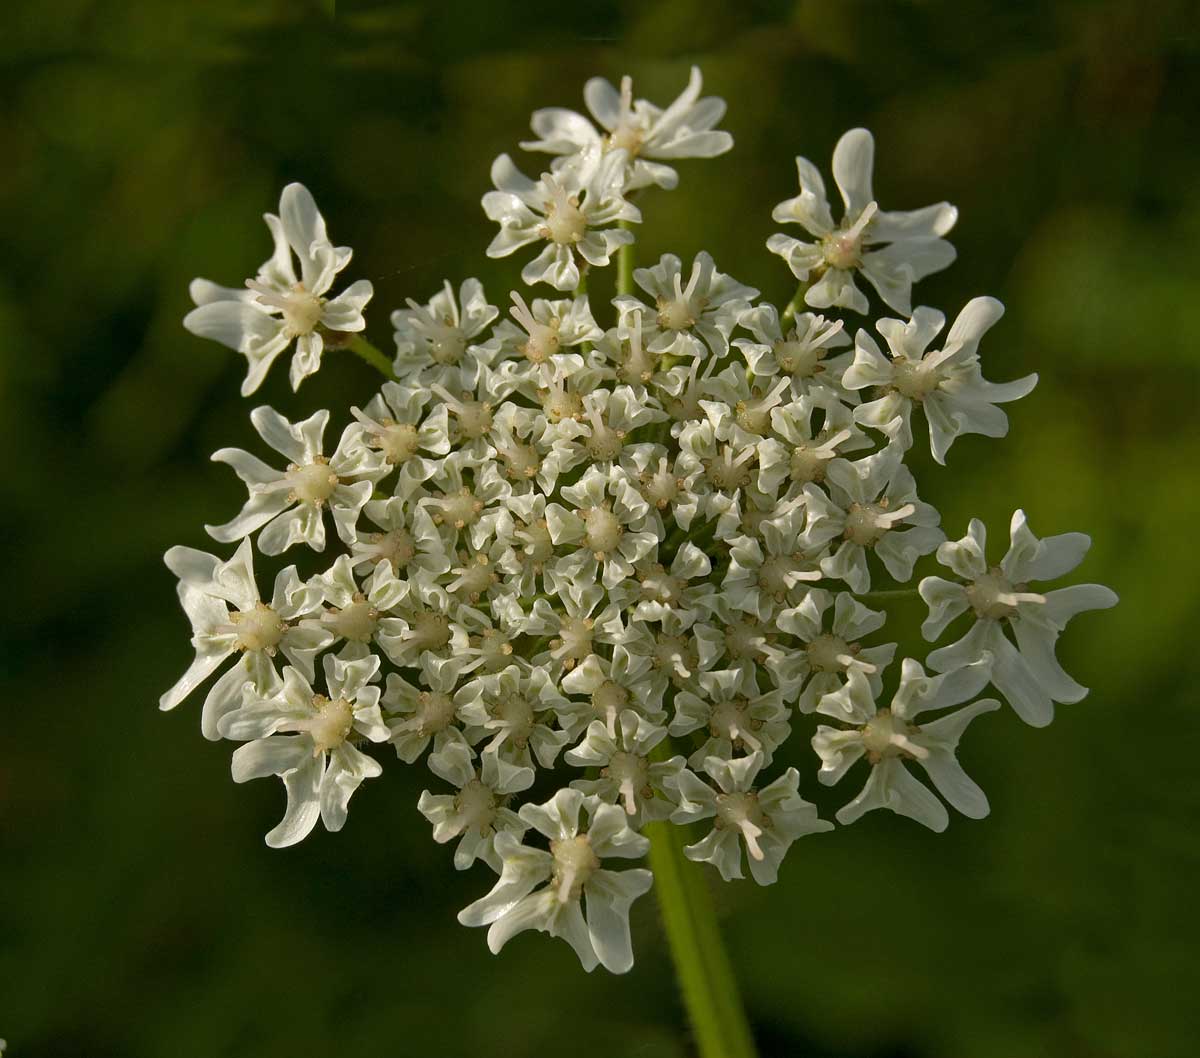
(622, 551)
(435, 336)
(890, 737)
(648, 134)
(892, 250)
(947, 384)
(278, 307)
(574, 211)
(570, 874)
(1027, 674)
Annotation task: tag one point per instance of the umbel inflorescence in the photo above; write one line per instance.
(618, 554)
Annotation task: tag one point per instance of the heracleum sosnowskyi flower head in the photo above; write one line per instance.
(892, 250)
(1028, 673)
(891, 736)
(279, 306)
(590, 547)
(574, 211)
(948, 384)
(648, 134)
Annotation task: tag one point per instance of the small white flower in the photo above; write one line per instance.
(607, 527)
(657, 593)
(948, 383)
(478, 812)
(889, 737)
(434, 341)
(515, 712)
(398, 427)
(611, 687)
(575, 211)
(1027, 674)
(644, 131)
(802, 355)
(409, 542)
(821, 664)
(320, 766)
(891, 250)
(222, 602)
(868, 500)
(766, 820)
(628, 776)
(572, 874)
(799, 453)
(288, 504)
(358, 615)
(429, 712)
(774, 570)
(543, 332)
(691, 315)
(279, 308)
(736, 715)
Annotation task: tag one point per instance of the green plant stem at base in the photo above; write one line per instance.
(710, 991)
(363, 349)
(702, 968)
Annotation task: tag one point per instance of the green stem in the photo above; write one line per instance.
(894, 593)
(625, 258)
(706, 979)
(363, 349)
(793, 306)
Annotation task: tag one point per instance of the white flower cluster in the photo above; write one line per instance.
(641, 551)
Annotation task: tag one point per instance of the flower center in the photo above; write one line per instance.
(330, 726)
(356, 622)
(574, 642)
(429, 630)
(258, 629)
(434, 712)
(608, 700)
(397, 441)
(397, 547)
(301, 310)
(476, 805)
(843, 249)
(631, 773)
(312, 483)
(661, 487)
(830, 653)
(746, 638)
(543, 342)
(566, 223)
(797, 358)
(675, 654)
(885, 735)
(867, 522)
(515, 716)
(777, 575)
(574, 862)
(447, 345)
(603, 530)
(743, 812)
(729, 720)
(992, 596)
(913, 378)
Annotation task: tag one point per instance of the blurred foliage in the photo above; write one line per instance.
(142, 915)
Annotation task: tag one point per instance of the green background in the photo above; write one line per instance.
(140, 141)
